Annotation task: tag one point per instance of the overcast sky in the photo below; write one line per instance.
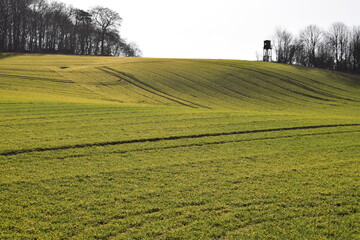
(218, 29)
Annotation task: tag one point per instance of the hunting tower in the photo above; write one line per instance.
(267, 51)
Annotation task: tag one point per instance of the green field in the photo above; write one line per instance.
(138, 148)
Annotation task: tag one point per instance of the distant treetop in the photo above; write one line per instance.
(335, 49)
(39, 26)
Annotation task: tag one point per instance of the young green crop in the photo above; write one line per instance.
(123, 148)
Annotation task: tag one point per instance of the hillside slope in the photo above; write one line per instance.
(124, 148)
(212, 84)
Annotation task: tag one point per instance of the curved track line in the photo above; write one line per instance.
(293, 82)
(155, 89)
(101, 144)
(231, 141)
(159, 72)
(36, 78)
(268, 88)
(146, 87)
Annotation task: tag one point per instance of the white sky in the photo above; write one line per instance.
(218, 29)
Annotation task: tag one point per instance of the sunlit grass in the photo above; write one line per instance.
(127, 148)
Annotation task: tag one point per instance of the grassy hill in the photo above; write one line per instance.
(134, 148)
(211, 84)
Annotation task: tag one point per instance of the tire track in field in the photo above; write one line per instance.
(148, 88)
(36, 78)
(158, 139)
(167, 96)
(290, 83)
(220, 86)
(231, 141)
(308, 87)
(293, 82)
(292, 94)
(192, 84)
(276, 72)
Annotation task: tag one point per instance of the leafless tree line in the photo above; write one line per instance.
(338, 48)
(39, 26)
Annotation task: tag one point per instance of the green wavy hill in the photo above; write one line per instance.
(211, 84)
(138, 148)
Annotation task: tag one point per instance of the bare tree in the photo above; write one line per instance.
(38, 25)
(82, 30)
(4, 24)
(337, 49)
(106, 20)
(13, 24)
(136, 52)
(53, 27)
(338, 38)
(283, 44)
(355, 49)
(311, 38)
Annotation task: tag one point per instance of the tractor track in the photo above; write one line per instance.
(148, 88)
(231, 141)
(158, 139)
